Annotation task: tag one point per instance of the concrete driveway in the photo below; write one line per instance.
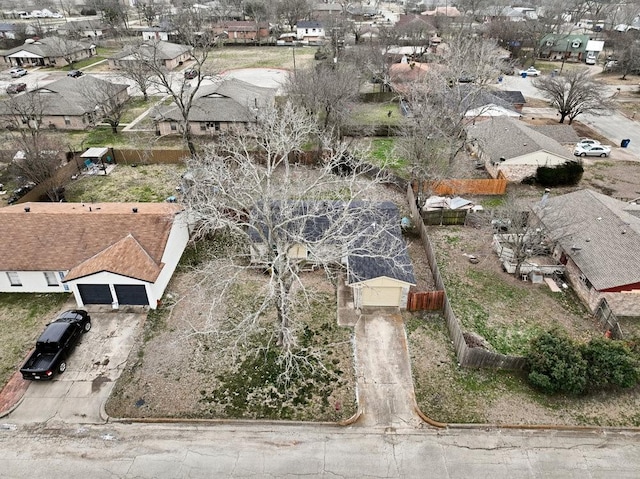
(77, 395)
(386, 397)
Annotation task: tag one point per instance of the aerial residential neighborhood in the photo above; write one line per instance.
(364, 219)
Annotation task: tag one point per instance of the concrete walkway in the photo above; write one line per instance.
(384, 384)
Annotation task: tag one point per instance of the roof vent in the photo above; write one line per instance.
(27, 209)
(135, 210)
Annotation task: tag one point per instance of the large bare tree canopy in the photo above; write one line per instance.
(575, 93)
(286, 217)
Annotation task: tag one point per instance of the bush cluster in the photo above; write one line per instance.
(557, 364)
(568, 173)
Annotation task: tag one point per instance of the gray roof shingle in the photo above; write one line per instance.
(511, 138)
(606, 235)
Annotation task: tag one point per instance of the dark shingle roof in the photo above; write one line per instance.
(607, 236)
(514, 97)
(379, 249)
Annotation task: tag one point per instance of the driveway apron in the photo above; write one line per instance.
(384, 384)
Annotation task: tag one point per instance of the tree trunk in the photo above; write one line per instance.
(114, 128)
(562, 117)
(283, 304)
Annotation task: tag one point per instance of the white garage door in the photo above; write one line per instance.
(381, 296)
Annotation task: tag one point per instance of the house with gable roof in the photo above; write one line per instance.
(510, 146)
(168, 55)
(48, 51)
(377, 263)
(597, 238)
(216, 108)
(65, 104)
(105, 254)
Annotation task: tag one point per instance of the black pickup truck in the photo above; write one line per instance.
(55, 344)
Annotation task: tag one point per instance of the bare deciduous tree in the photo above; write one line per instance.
(110, 100)
(328, 90)
(289, 217)
(41, 152)
(575, 93)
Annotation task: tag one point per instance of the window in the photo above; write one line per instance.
(174, 127)
(65, 286)
(203, 126)
(67, 120)
(51, 278)
(214, 124)
(14, 279)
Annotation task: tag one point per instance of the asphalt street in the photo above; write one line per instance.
(255, 450)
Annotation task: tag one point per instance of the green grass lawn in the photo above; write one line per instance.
(137, 106)
(375, 114)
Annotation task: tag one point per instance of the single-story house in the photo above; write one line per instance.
(218, 108)
(48, 51)
(311, 32)
(568, 46)
(163, 32)
(105, 254)
(65, 104)
(513, 97)
(379, 270)
(446, 11)
(170, 55)
(597, 238)
(484, 103)
(84, 29)
(8, 30)
(510, 146)
(241, 31)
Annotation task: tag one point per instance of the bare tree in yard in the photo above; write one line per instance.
(293, 10)
(289, 216)
(109, 99)
(575, 93)
(327, 91)
(41, 151)
(628, 53)
(65, 47)
(433, 133)
(181, 90)
(140, 73)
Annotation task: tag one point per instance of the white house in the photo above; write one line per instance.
(311, 32)
(105, 254)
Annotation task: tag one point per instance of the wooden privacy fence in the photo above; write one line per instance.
(444, 217)
(131, 156)
(425, 300)
(496, 186)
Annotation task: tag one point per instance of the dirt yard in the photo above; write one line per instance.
(507, 313)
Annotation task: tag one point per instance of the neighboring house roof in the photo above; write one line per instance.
(308, 24)
(48, 47)
(407, 21)
(563, 134)
(565, 43)
(7, 27)
(445, 11)
(605, 237)
(513, 97)
(595, 46)
(231, 100)
(158, 49)
(67, 96)
(89, 237)
(83, 25)
(376, 228)
(509, 138)
(327, 7)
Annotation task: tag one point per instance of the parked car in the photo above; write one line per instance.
(595, 150)
(17, 72)
(75, 73)
(531, 72)
(16, 88)
(587, 142)
(190, 74)
(55, 345)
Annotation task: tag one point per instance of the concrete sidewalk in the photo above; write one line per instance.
(386, 397)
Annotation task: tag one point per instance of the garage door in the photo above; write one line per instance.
(95, 293)
(381, 296)
(131, 294)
